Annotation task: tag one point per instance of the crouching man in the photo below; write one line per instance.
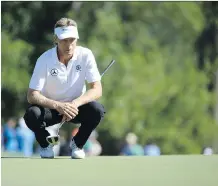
(57, 90)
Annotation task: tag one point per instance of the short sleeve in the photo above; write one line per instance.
(39, 75)
(92, 72)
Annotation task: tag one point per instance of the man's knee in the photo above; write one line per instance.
(33, 114)
(96, 110)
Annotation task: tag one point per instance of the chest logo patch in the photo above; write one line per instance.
(78, 68)
(54, 72)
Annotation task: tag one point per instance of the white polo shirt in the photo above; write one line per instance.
(61, 83)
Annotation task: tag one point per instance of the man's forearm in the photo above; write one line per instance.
(90, 95)
(39, 99)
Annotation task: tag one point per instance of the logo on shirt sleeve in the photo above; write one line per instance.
(54, 72)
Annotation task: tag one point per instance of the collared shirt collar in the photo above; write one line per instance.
(75, 55)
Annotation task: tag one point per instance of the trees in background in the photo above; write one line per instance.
(158, 87)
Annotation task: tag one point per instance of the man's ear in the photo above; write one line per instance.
(55, 40)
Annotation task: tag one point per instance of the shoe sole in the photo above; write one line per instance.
(77, 158)
(47, 157)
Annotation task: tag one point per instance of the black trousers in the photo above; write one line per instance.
(37, 118)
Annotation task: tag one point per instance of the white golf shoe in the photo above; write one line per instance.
(47, 152)
(77, 153)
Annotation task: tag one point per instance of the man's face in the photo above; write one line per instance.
(67, 46)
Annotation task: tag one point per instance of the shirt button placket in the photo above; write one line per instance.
(69, 68)
(65, 73)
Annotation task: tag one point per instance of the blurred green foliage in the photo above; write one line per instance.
(162, 86)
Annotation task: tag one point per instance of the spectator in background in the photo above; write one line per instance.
(2, 139)
(26, 138)
(10, 136)
(131, 147)
(92, 147)
(207, 151)
(151, 149)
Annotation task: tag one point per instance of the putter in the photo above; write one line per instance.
(53, 139)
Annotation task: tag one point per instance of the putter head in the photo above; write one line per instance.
(53, 140)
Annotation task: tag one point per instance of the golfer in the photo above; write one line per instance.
(57, 90)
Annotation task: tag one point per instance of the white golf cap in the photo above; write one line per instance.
(66, 32)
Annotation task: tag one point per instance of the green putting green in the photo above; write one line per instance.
(187, 170)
